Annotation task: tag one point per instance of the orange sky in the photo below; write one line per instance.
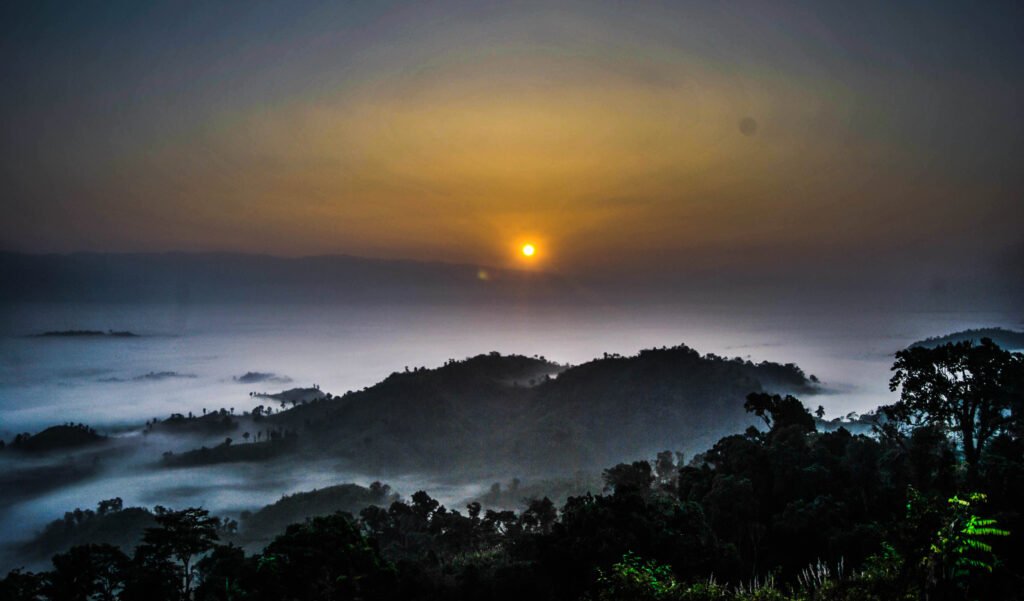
(609, 138)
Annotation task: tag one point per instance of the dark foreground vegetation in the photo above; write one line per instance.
(928, 506)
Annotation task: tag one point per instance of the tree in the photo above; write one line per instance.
(183, 535)
(624, 478)
(225, 573)
(779, 412)
(665, 469)
(964, 388)
(151, 576)
(540, 515)
(21, 586)
(298, 565)
(110, 506)
(87, 572)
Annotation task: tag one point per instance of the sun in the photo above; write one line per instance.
(528, 250)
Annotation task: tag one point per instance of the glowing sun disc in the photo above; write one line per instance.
(528, 250)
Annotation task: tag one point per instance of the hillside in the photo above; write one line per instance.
(109, 523)
(1007, 339)
(494, 412)
(262, 525)
(54, 438)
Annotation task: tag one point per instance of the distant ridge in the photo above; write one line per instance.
(1007, 339)
(229, 277)
(514, 411)
(86, 334)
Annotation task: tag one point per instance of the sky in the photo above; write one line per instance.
(622, 139)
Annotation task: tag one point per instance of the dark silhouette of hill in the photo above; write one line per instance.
(262, 525)
(1008, 339)
(210, 423)
(86, 334)
(226, 277)
(110, 523)
(293, 395)
(54, 438)
(227, 452)
(252, 377)
(19, 483)
(515, 411)
(153, 376)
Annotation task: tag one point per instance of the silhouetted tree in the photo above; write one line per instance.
(109, 506)
(964, 388)
(296, 566)
(87, 572)
(540, 516)
(634, 478)
(21, 586)
(779, 412)
(183, 535)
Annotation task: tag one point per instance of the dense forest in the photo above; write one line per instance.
(525, 413)
(925, 506)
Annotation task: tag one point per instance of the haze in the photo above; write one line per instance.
(648, 143)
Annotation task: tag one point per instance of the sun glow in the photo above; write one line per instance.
(528, 250)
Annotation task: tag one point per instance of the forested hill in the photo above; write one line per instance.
(495, 410)
(1007, 339)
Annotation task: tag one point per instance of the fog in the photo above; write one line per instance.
(98, 380)
(101, 381)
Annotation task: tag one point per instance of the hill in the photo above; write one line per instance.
(262, 525)
(1008, 339)
(54, 438)
(110, 523)
(495, 412)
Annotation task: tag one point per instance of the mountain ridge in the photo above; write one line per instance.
(218, 277)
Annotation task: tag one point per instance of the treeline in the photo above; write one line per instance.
(926, 507)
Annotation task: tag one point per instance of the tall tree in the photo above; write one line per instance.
(183, 535)
(967, 389)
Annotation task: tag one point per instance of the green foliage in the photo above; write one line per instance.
(960, 548)
(635, 578)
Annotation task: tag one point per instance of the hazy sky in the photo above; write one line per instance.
(623, 137)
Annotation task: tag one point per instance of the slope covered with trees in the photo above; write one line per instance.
(491, 411)
(779, 513)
